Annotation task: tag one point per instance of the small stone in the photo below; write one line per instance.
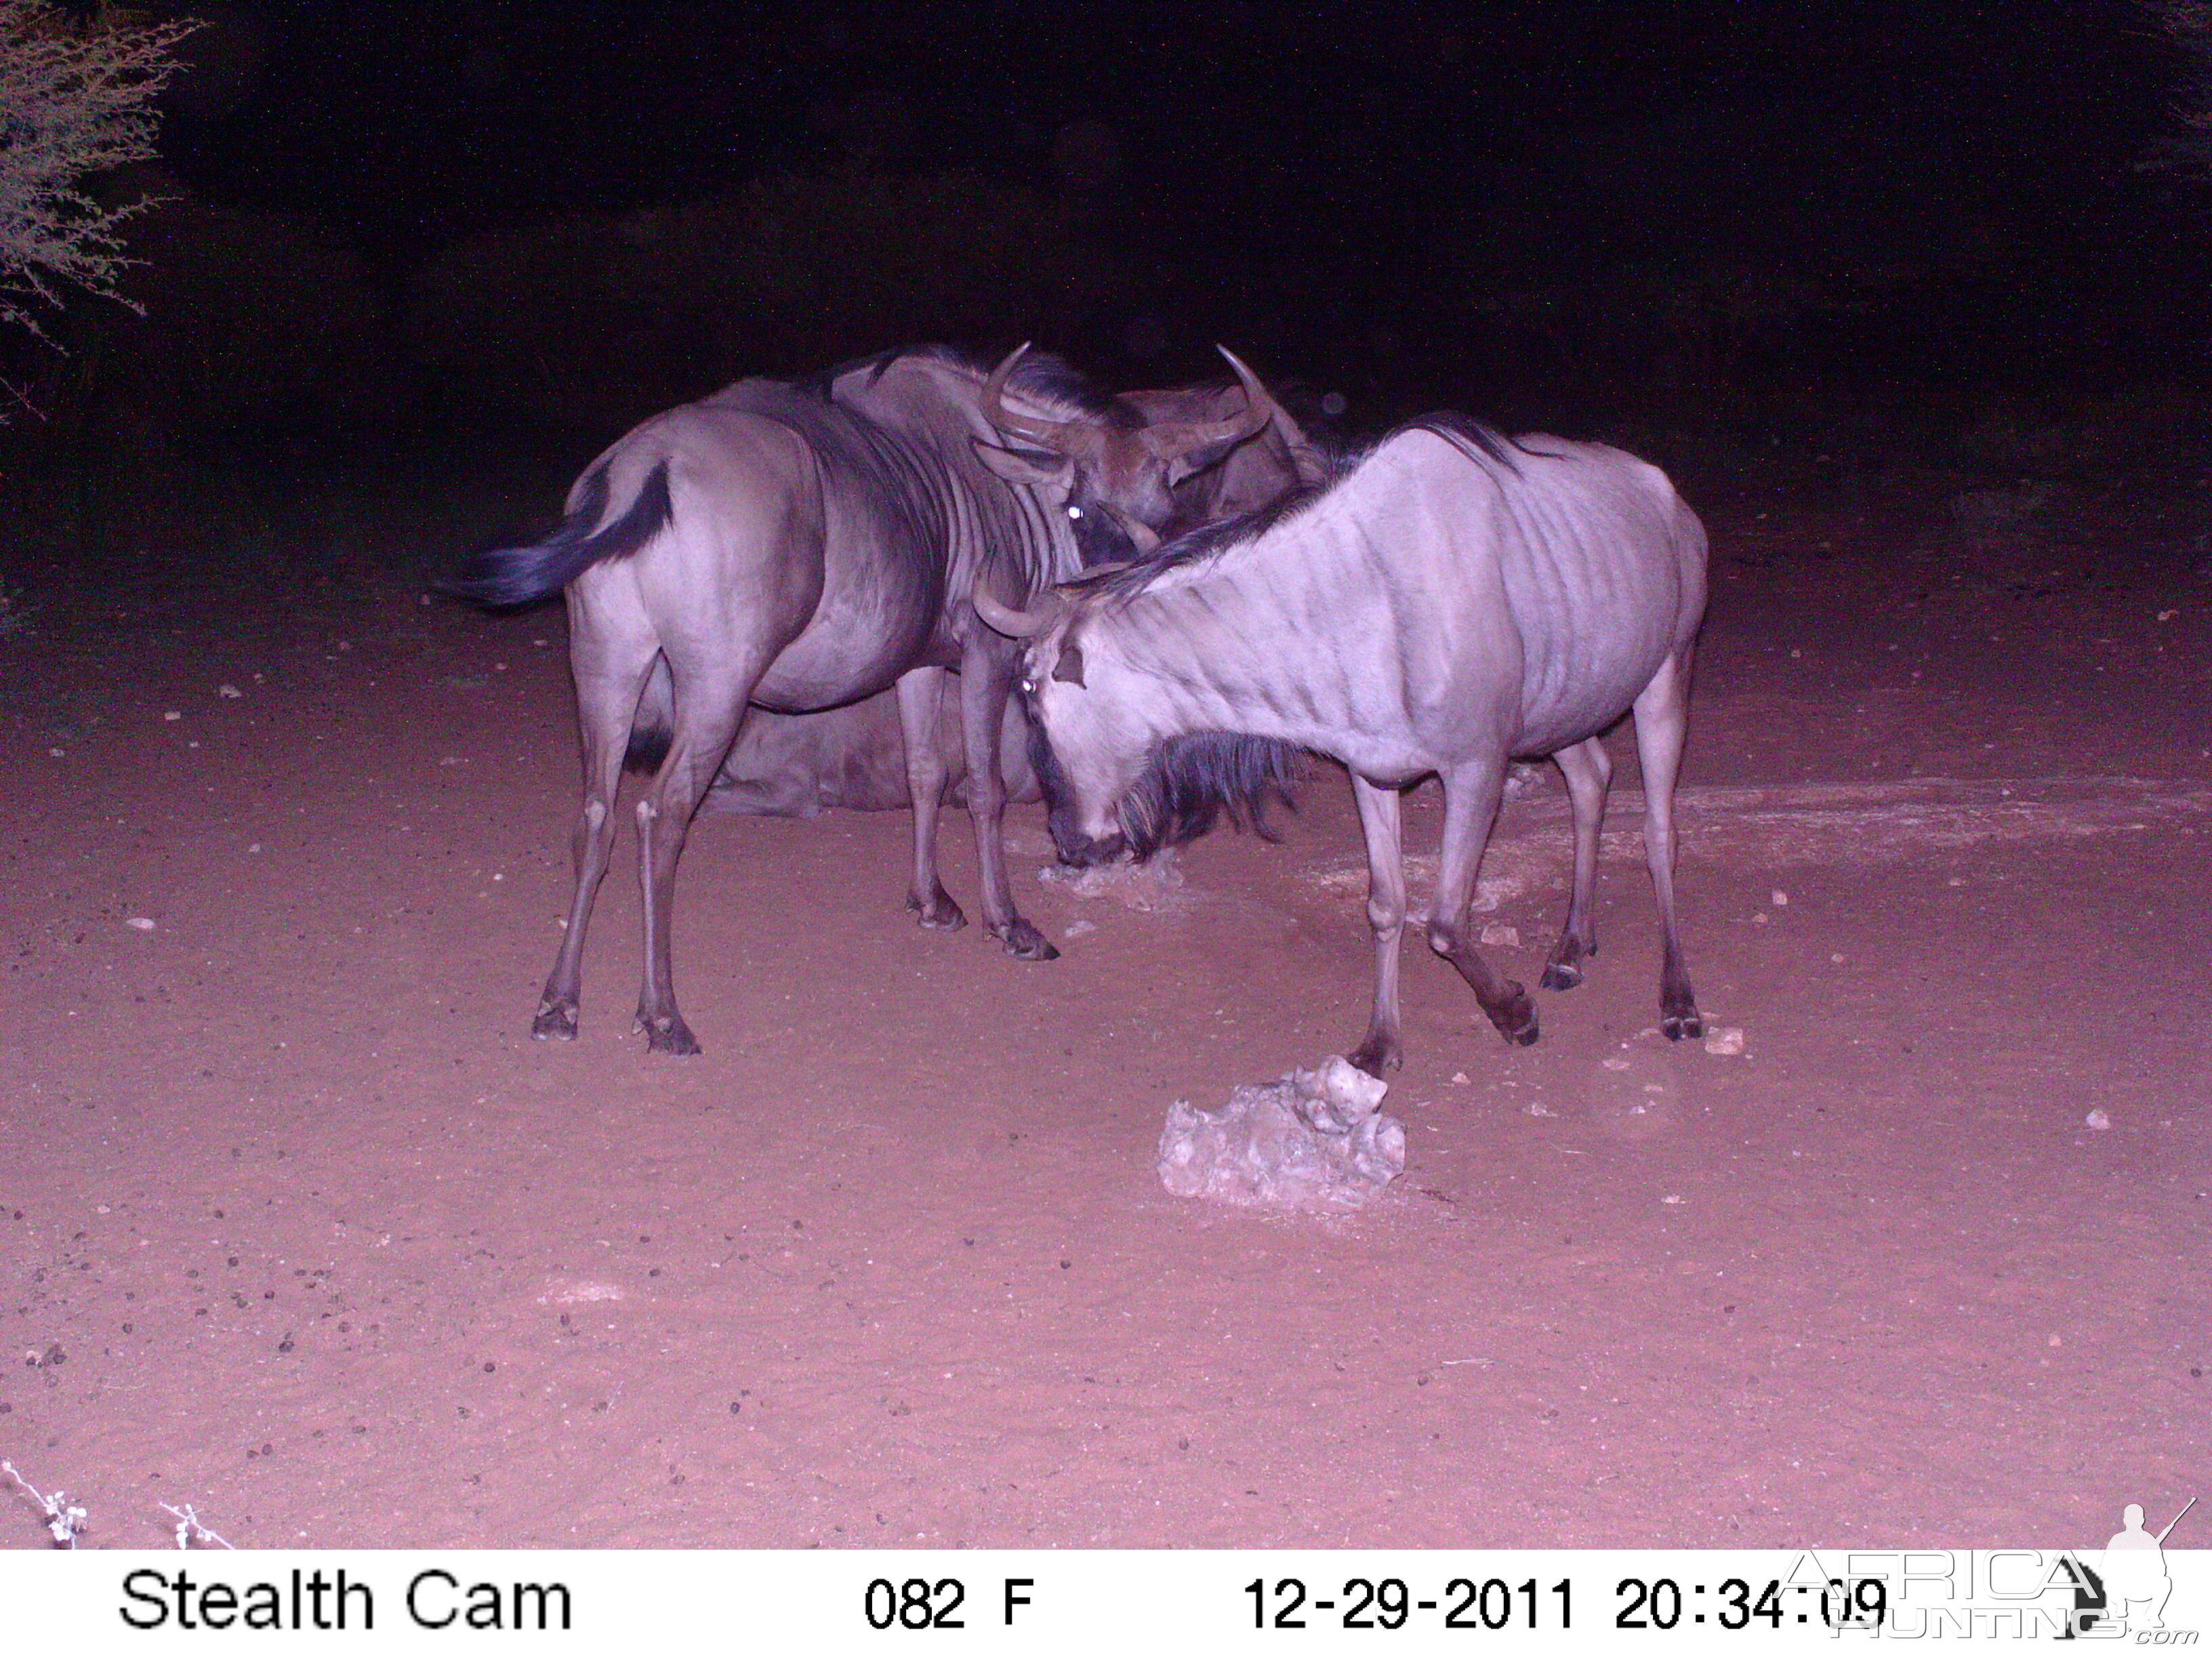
(57, 753)
(1078, 928)
(2097, 1119)
(1537, 1108)
(1615, 1063)
(1759, 919)
(1724, 1040)
(1672, 1198)
(1780, 898)
(173, 714)
(1497, 933)
(226, 689)
(143, 924)
(1461, 1078)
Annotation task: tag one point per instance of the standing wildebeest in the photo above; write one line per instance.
(1450, 601)
(786, 765)
(803, 547)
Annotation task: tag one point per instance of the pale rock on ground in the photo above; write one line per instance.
(1317, 1139)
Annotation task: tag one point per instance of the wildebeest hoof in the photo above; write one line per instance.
(1560, 976)
(1376, 1056)
(938, 912)
(667, 1034)
(1515, 1016)
(1025, 942)
(555, 1019)
(1678, 1026)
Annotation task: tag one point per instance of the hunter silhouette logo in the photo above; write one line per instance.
(2134, 1575)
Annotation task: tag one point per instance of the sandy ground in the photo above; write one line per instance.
(297, 1224)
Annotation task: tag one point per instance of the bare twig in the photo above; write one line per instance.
(191, 1532)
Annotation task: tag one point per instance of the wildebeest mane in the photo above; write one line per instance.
(1478, 441)
(1189, 781)
(1121, 581)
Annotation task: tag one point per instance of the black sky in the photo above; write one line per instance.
(1333, 166)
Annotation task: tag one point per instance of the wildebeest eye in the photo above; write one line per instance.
(1074, 512)
(1029, 688)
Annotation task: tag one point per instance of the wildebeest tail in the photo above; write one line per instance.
(1194, 779)
(512, 576)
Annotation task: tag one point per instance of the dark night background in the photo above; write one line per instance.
(1709, 229)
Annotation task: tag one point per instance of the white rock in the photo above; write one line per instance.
(143, 924)
(2097, 1119)
(1497, 933)
(1316, 1141)
(1724, 1040)
(226, 689)
(1780, 898)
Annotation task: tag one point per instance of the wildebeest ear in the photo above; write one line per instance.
(1026, 466)
(1070, 666)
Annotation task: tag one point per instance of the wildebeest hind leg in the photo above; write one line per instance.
(710, 701)
(1471, 797)
(609, 679)
(985, 681)
(1661, 724)
(1589, 772)
(1386, 914)
(920, 693)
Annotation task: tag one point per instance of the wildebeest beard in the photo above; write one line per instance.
(1188, 784)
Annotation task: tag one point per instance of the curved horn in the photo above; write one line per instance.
(1141, 535)
(1005, 619)
(1166, 442)
(1067, 438)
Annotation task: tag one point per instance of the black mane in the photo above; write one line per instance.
(1191, 779)
(1477, 439)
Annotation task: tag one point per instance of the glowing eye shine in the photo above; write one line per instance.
(1074, 512)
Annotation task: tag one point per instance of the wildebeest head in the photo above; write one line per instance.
(1111, 784)
(1081, 775)
(1116, 484)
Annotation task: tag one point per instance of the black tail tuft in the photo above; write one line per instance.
(1192, 779)
(513, 576)
(648, 747)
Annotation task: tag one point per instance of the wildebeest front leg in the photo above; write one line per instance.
(1386, 914)
(1589, 772)
(918, 695)
(986, 678)
(709, 704)
(1661, 725)
(608, 681)
(1471, 797)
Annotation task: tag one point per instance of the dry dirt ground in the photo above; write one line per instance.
(298, 1226)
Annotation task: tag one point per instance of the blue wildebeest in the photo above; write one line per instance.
(802, 547)
(784, 765)
(1451, 601)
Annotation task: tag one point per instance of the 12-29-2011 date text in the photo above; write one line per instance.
(1465, 1604)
